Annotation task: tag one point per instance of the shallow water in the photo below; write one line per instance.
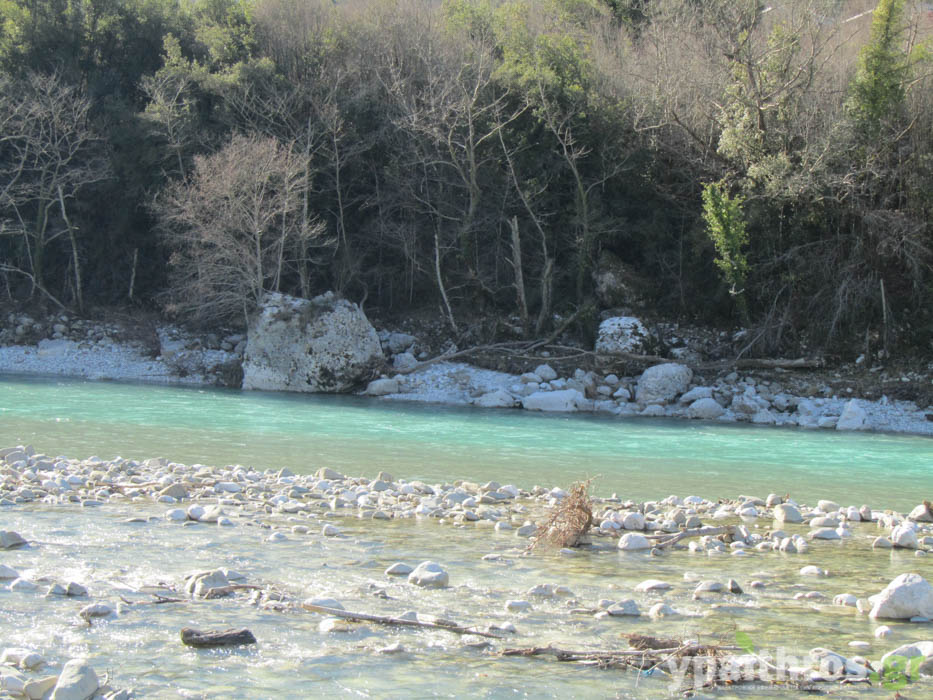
(636, 458)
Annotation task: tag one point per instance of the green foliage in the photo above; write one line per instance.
(725, 226)
(878, 91)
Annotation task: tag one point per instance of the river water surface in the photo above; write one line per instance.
(636, 459)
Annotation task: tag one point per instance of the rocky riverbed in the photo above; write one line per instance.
(105, 560)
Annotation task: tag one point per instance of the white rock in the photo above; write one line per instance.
(787, 513)
(77, 681)
(325, 344)
(176, 514)
(633, 542)
(845, 599)
(624, 608)
(38, 688)
(382, 387)
(621, 334)
(659, 610)
(907, 596)
(546, 373)
(25, 659)
(812, 571)
(705, 409)
(404, 361)
(910, 651)
(429, 574)
(663, 383)
(334, 624)
(89, 612)
(6, 573)
(853, 417)
(883, 631)
(517, 606)
(399, 569)
(331, 603)
(882, 543)
(824, 533)
(633, 521)
(499, 398)
(921, 514)
(652, 584)
(904, 536)
(566, 400)
(23, 585)
(330, 530)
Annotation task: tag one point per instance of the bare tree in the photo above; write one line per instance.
(48, 153)
(239, 228)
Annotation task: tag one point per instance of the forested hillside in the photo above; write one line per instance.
(735, 162)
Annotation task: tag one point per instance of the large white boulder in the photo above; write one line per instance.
(787, 513)
(325, 344)
(853, 417)
(905, 536)
(922, 513)
(564, 400)
(907, 596)
(621, 334)
(663, 383)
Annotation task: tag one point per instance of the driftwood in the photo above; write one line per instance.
(669, 538)
(225, 638)
(778, 363)
(223, 591)
(396, 621)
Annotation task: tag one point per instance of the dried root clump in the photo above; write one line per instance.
(570, 520)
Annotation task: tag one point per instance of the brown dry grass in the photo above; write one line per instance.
(570, 520)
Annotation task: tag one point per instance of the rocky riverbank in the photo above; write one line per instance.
(681, 563)
(64, 346)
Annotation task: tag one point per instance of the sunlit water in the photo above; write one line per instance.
(636, 458)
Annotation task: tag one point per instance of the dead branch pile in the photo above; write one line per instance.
(570, 520)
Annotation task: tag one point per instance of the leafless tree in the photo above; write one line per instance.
(240, 228)
(48, 153)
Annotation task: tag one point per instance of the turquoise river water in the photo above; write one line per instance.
(113, 555)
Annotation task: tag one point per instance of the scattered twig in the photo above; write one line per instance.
(396, 621)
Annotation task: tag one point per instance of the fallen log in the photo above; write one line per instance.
(396, 621)
(225, 638)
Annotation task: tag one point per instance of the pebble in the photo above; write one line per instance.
(429, 574)
(517, 606)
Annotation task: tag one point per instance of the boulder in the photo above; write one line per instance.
(546, 372)
(404, 361)
(904, 536)
(633, 542)
(429, 574)
(853, 417)
(663, 383)
(564, 400)
(787, 513)
(922, 514)
(907, 596)
(325, 344)
(621, 334)
(695, 394)
(495, 399)
(705, 409)
(77, 681)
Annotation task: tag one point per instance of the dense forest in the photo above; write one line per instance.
(730, 161)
